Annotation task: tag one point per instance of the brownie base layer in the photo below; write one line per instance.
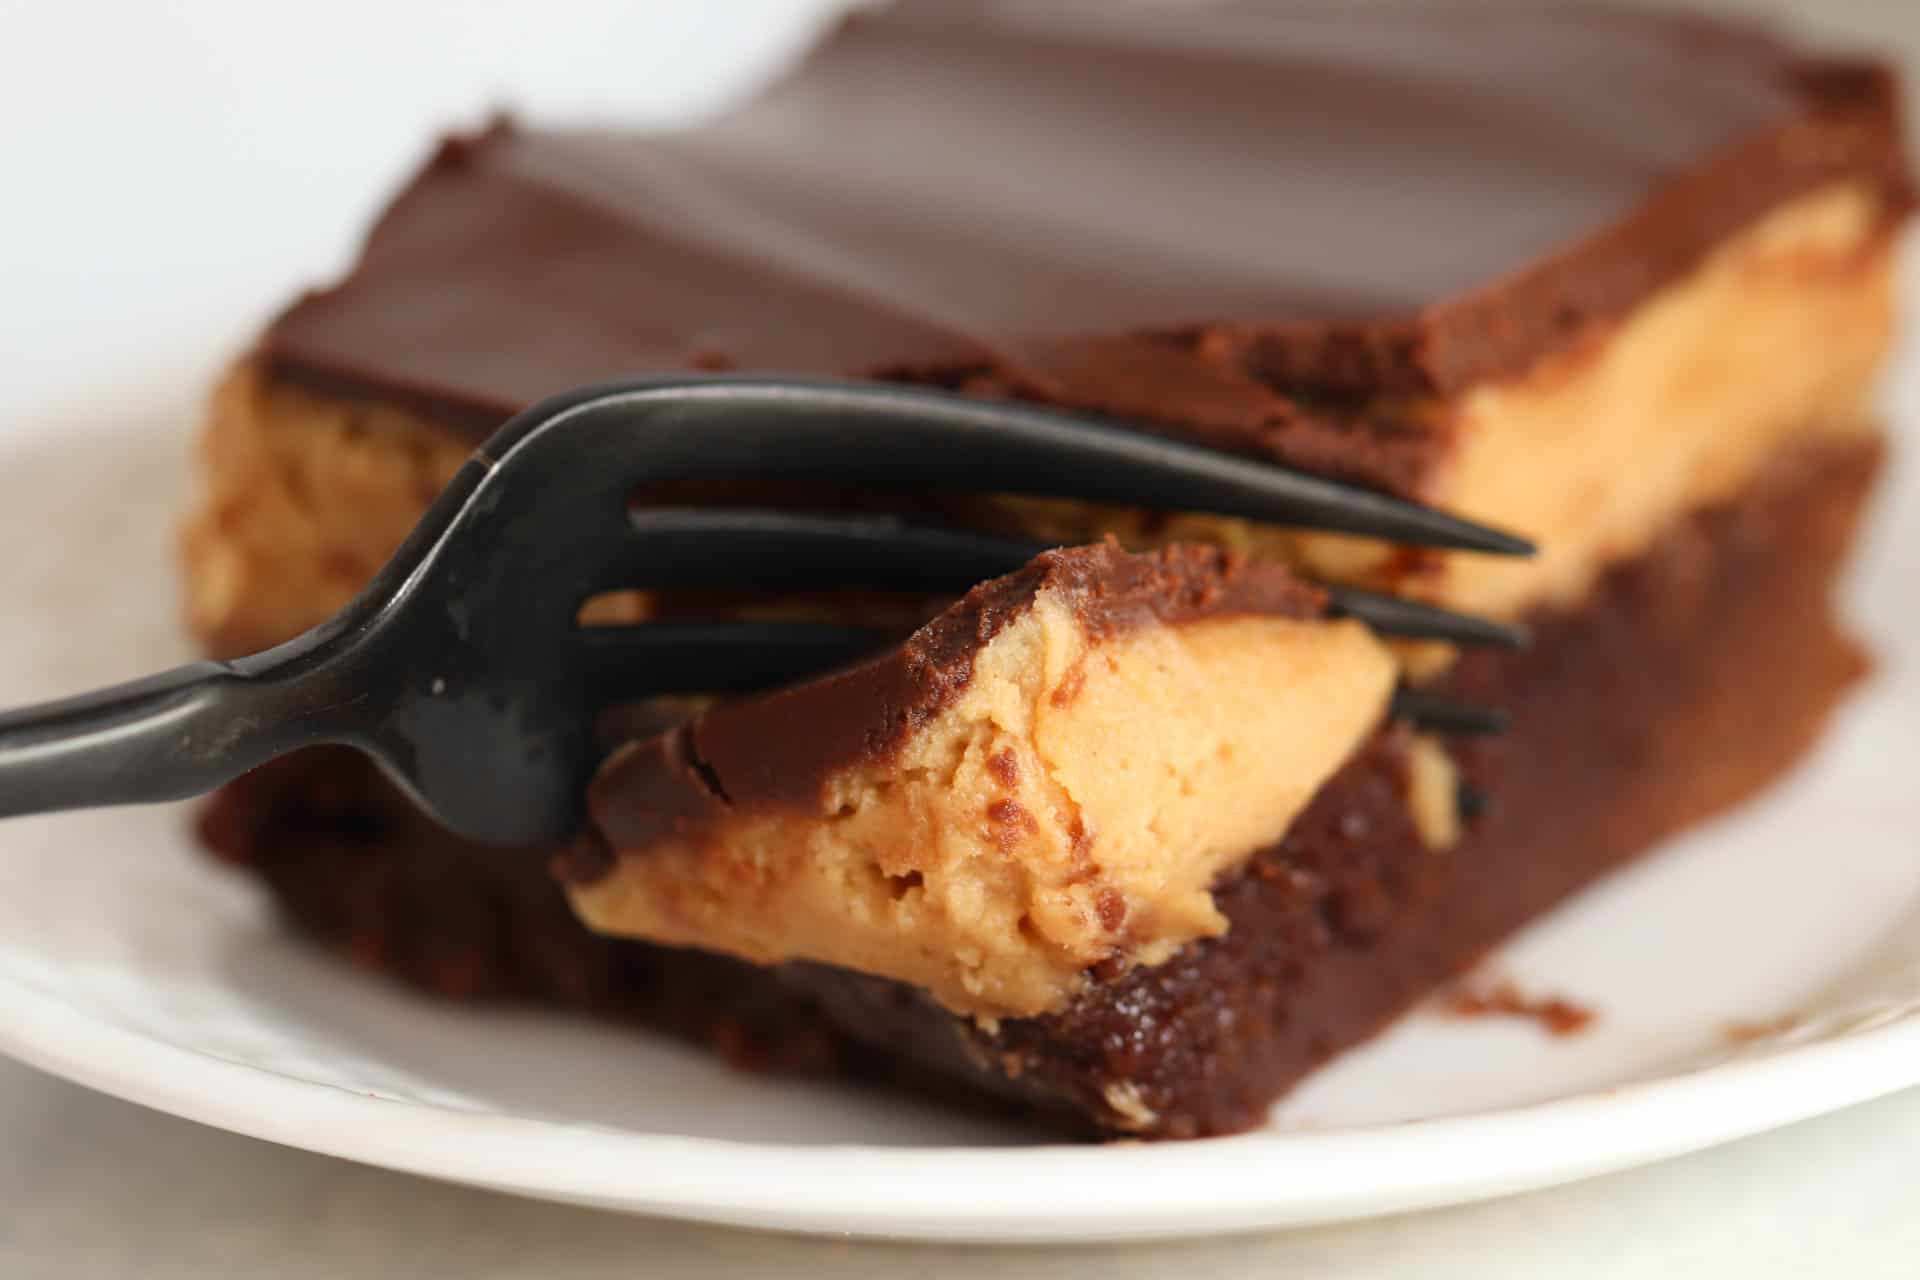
(1688, 679)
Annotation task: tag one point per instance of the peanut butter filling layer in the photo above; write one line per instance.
(1071, 807)
(1779, 334)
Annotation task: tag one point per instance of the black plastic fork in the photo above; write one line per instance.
(462, 668)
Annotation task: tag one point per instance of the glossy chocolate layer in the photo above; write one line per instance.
(1237, 220)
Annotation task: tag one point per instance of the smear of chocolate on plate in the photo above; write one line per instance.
(1556, 1015)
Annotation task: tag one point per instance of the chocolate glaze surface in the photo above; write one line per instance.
(1235, 220)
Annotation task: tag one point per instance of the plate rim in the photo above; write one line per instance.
(1123, 1191)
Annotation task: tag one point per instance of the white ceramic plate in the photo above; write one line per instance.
(130, 964)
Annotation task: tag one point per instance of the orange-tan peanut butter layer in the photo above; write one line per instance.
(1048, 777)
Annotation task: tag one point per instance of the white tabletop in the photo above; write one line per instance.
(93, 1187)
(208, 103)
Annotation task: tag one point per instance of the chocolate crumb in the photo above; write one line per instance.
(1743, 1031)
(1070, 685)
(1011, 822)
(1555, 1015)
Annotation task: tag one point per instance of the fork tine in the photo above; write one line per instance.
(692, 547)
(869, 433)
(686, 547)
(652, 658)
(1443, 715)
(1410, 619)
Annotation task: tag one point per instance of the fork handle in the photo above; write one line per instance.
(166, 737)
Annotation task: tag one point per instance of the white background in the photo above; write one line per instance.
(175, 169)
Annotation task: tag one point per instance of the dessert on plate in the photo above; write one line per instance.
(1130, 838)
